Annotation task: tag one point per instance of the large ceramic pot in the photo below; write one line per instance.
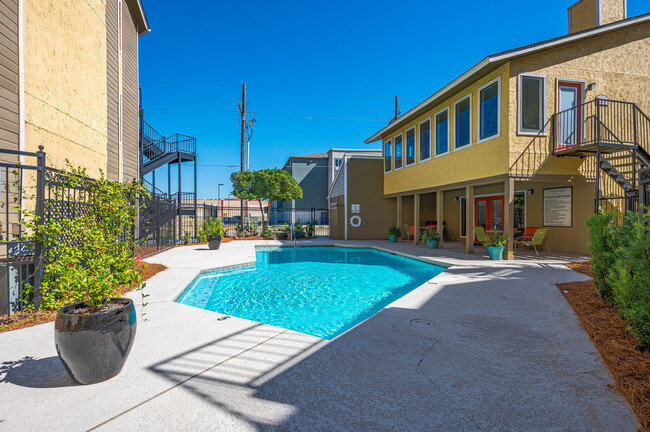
(432, 244)
(94, 347)
(495, 253)
(392, 238)
(214, 242)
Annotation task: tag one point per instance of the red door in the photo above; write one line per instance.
(488, 212)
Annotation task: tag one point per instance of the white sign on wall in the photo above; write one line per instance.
(356, 208)
(558, 207)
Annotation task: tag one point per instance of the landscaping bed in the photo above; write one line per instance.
(29, 319)
(624, 356)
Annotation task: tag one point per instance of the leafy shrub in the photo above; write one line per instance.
(429, 234)
(88, 253)
(211, 227)
(267, 233)
(605, 237)
(394, 230)
(496, 239)
(621, 267)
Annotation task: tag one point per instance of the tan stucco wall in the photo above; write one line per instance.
(365, 189)
(612, 11)
(582, 16)
(487, 158)
(616, 62)
(65, 81)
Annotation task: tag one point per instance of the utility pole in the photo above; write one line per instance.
(397, 113)
(219, 191)
(242, 121)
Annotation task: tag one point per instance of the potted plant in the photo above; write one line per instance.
(88, 258)
(495, 244)
(431, 238)
(213, 231)
(393, 233)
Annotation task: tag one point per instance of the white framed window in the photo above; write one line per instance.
(388, 157)
(399, 154)
(410, 146)
(463, 123)
(489, 110)
(442, 132)
(531, 104)
(425, 139)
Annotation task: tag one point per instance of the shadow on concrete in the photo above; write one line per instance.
(497, 349)
(36, 373)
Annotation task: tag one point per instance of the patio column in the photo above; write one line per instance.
(416, 219)
(439, 221)
(508, 216)
(399, 212)
(469, 222)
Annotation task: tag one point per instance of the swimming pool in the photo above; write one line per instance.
(321, 291)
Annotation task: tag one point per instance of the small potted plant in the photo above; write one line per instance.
(393, 233)
(431, 238)
(495, 244)
(213, 229)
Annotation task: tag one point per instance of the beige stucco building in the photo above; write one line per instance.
(69, 82)
(538, 136)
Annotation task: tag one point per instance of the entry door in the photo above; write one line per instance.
(488, 212)
(569, 124)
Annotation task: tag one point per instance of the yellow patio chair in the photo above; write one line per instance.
(480, 235)
(538, 239)
(408, 230)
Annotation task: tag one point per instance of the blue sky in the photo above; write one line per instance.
(320, 74)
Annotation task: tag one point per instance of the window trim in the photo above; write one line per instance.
(395, 151)
(418, 139)
(480, 140)
(543, 114)
(471, 121)
(435, 128)
(390, 141)
(415, 146)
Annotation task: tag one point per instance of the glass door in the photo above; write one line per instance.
(488, 212)
(569, 129)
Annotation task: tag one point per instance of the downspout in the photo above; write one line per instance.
(21, 83)
(345, 195)
(120, 156)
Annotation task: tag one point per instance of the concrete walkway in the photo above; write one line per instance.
(485, 346)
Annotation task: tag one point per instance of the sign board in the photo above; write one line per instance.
(356, 208)
(558, 207)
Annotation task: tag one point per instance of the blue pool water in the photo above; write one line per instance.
(321, 291)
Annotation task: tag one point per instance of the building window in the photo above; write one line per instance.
(532, 103)
(463, 122)
(489, 112)
(520, 211)
(399, 161)
(410, 146)
(387, 157)
(425, 140)
(442, 132)
(337, 163)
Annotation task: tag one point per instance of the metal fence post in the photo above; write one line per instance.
(40, 215)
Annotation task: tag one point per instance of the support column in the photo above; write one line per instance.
(508, 216)
(416, 219)
(399, 212)
(439, 221)
(469, 222)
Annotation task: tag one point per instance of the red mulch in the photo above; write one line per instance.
(29, 319)
(628, 362)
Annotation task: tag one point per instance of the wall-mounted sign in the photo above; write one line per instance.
(356, 208)
(558, 207)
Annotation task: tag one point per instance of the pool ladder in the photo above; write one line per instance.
(293, 236)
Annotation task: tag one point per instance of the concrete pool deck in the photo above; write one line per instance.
(483, 346)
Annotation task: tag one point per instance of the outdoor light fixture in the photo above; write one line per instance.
(455, 198)
(591, 86)
(531, 191)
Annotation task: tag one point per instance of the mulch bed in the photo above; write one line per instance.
(42, 316)
(627, 360)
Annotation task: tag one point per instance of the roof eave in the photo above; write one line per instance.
(140, 16)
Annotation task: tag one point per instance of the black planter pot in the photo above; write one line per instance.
(94, 347)
(214, 242)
